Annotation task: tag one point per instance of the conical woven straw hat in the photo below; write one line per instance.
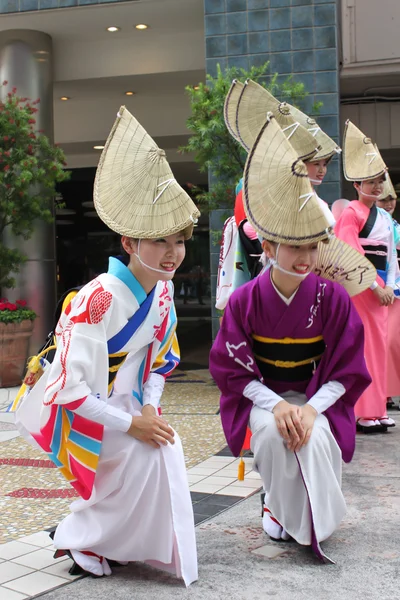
(388, 189)
(361, 157)
(278, 198)
(254, 104)
(337, 261)
(328, 146)
(135, 192)
(230, 107)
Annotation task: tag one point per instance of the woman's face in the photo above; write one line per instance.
(164, 254)
(317, 171)
(388, 204)
(371, 187)
(296, 259)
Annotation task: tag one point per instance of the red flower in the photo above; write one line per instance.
(7, 168)
(11, 121)
(5, 138)
(3, 305)
(31, 121)
(21, 303)
(11, 306)
(14, 90)
(5, 82)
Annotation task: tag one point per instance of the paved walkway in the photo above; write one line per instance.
(236, 559)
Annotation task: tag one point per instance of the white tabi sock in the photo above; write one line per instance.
(271, 526)
(92, 563)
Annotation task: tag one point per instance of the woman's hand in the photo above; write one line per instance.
(288, 421)
(384, 295)
(151, 429)
(308, 416)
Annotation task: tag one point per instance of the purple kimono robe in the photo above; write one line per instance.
(322, 313)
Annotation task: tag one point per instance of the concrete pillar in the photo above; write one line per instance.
(26, 63)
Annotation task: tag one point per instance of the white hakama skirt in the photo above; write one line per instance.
(140, 508)
(304, 488)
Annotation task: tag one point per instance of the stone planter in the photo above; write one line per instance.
(14, 340)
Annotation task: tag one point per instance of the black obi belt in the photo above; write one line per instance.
(115, 362)
(288, 359)
(377, 255)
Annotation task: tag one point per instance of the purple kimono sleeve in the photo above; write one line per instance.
(232, 366)
(343, 361)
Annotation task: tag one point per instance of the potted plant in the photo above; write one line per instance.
(16, 325)
(30, 168)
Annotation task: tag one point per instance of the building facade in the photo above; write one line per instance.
(346, 52)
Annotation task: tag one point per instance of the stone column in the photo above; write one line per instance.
(26, 63)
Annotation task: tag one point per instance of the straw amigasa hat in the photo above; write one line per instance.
(283, 208)
(230, 108)
(361, 157)
(254, 104)
(328, 147)
(388, 189)
(135, 192)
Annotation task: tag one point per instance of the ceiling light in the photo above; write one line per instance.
(196, 87)
(65, 98)
(129, 93)
(141, 26)
(98, 147)
(113, 29)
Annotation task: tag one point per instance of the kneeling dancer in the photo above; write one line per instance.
(288, 358)
(95, 409)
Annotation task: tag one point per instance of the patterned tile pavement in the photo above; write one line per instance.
(34, 497)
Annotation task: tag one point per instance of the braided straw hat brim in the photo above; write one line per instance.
(254, 104)
(230, 108)
(388, 189)
(135, 192)
(278, 198)
(339, 262)
(328, 146)
(361, 157)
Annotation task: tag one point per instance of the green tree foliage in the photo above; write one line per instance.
(30, 168)
(214, 148)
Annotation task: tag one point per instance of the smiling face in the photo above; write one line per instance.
(317, 171)
(371, 188)
(159, 258)
(388, 204)
(293, 259)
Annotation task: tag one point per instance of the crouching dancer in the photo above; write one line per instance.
(95, 410)
(288, 358)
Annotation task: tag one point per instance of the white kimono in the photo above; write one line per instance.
(135, 503)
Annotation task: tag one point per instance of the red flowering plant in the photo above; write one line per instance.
(30, 168)
(11, 312)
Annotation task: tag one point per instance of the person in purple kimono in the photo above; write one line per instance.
(288, 358)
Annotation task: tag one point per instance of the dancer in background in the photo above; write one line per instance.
(388, 202)
(369, 230)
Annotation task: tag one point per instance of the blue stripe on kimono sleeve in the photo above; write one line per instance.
(168, 357)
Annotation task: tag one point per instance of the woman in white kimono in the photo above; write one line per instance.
(100, 416)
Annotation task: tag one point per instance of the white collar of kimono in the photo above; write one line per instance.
(117, 268)
(287, 301)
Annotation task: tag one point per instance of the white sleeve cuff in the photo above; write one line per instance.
(261, 395)
(373, 286)
(326, 396)
(99, 411)
(153, 390)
